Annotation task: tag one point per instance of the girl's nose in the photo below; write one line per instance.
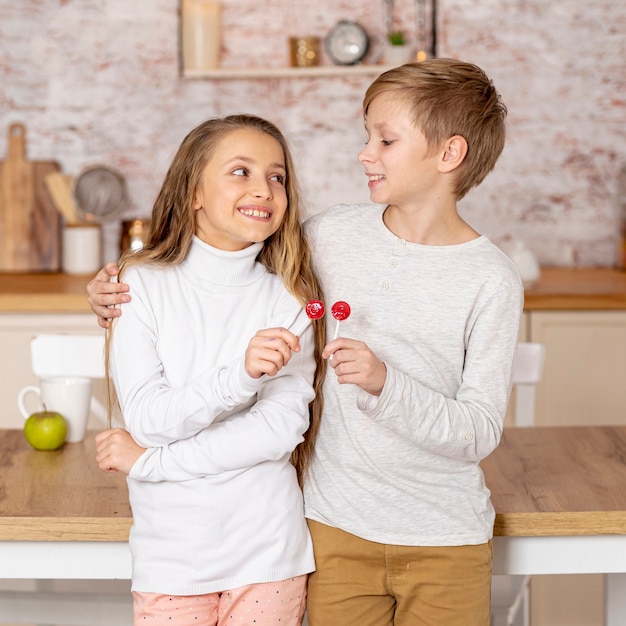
(262, 189)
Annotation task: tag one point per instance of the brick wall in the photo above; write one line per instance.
(98, 81)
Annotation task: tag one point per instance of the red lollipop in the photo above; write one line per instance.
(340, 311)
(315, 310)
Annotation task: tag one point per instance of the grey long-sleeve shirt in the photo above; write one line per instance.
(403, 468)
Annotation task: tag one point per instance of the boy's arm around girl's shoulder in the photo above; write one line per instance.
(268, 430)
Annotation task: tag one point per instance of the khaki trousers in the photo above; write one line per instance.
(362, 583)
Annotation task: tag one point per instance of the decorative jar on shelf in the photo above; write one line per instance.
(200, 34)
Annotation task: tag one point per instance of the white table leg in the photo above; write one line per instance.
(615, 599)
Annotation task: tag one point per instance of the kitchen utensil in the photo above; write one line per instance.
(100, 194)
(60, 188)
(30, 225)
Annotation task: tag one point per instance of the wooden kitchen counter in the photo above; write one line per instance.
(59, 495)
(43, 293)
(559, 480)
(571, 289)
(557, 289)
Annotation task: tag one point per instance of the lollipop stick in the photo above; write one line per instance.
(330, 358)
(301, 328)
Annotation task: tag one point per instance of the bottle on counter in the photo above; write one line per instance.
(134, 234)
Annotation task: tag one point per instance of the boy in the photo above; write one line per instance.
(419, 381)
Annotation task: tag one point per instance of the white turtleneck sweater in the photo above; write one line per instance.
(177, 364)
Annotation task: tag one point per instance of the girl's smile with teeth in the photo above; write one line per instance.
(255, 212)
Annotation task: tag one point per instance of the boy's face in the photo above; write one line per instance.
(398, 162)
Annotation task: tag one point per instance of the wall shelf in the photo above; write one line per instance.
(226, 73)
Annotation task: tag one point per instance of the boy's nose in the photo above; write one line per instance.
(364, 155)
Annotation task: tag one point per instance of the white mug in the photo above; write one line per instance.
(68, 395)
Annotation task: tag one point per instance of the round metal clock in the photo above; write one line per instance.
(347, 43)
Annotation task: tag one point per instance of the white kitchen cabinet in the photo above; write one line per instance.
(584, 380)
(16, 331)
(583, 383)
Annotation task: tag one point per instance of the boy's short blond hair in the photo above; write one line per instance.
(447, 97)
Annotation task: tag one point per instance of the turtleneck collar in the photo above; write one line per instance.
(222, 268)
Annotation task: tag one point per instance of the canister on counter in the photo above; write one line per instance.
(134, 235)
(81, 248)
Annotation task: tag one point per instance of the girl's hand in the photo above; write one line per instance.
(354, 363)
(269, 351)
(116, 451)
(102, 294)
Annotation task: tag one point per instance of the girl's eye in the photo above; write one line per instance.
(240, 171)
(279, 178)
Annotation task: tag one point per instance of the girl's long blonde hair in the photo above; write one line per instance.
(285, 253)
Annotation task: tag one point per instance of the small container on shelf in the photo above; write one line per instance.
(200, 34)
(304, 51)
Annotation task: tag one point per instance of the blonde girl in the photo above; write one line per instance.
(219, 397)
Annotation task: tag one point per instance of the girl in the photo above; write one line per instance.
(215, 390)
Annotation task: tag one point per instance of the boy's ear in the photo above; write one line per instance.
(454, 151)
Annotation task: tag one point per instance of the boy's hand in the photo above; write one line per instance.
(103, 295)
(116, 451)
(269, 351)
(354, 363)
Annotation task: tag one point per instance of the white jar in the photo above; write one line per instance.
(81, 248)
(525, 261)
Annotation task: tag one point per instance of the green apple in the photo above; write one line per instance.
(45, 430)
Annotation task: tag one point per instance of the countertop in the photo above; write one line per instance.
(43, 293)
(544, 481)
(557, 289)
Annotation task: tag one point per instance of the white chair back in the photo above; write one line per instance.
(510, 595)
(70, 355)
(527, 372)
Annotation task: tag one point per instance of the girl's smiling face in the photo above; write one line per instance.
(242, 197)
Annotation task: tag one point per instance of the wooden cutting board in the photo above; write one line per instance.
(30, 225)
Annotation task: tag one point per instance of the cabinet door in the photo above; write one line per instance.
(583, 383)
(16, 331)
(585, 367)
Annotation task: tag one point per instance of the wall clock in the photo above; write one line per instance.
(347, 43)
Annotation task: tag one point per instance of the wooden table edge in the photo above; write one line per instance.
(560, 524)
(64, 529)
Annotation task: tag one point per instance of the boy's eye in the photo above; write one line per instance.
(386, 142)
